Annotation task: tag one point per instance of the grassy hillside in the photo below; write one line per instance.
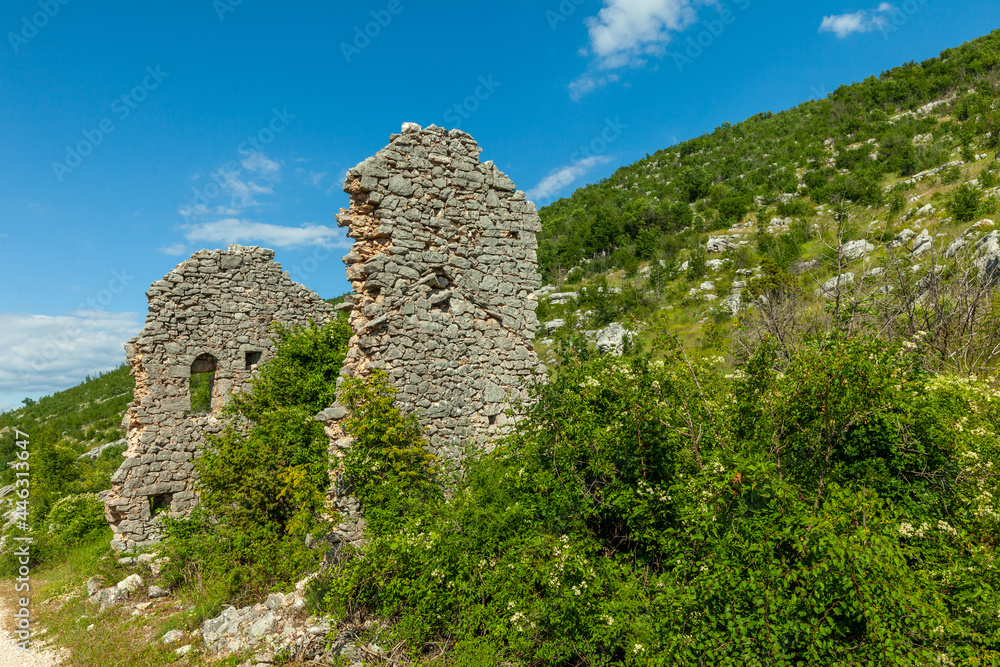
(783, 194)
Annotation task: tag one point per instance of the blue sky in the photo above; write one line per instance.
(134, 134)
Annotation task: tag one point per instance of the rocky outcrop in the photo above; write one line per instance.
(613, 339)
(211, 316)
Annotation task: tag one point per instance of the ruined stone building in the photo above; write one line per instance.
(209, 325)
(443, 271)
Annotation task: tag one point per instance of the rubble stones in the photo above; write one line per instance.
(218, 303)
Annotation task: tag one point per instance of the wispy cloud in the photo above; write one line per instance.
(235, 230)
(44, 354)
(174, 250)
(843, 25)
(625, 33)
(563, 177)
(241, 183)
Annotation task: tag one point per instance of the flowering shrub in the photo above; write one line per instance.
(660, 513)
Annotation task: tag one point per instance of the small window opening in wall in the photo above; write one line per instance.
(161, 503)
(253, 358)
(201, 384)
(493, 420)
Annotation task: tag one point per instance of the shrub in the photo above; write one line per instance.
(263, 478)
(652, 513)
(965, 203)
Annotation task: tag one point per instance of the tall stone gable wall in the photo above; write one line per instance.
(444, 271)
(218, 303)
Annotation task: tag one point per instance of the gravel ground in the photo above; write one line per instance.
(12, 656)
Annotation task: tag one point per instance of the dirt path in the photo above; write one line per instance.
(11, 655)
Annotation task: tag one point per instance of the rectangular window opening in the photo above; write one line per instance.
(160, 503)
(253, 358)
(201, 393)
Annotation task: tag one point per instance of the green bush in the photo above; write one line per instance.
(839, 511)
(75, 518)
(966, 202)
(263, 479)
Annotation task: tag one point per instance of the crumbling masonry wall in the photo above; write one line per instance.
(443, 271)
(214, 311)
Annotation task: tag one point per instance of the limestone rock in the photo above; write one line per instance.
(173, 637)
(922, 244)
(855, 250)
(719, 244)
(832, 287)
(157, 592)
(612, 339)
(133, 583)
(901, 239)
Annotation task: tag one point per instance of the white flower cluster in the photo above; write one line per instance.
(652, 492)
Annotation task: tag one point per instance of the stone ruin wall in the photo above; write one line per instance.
(218, 303)
(443, 271)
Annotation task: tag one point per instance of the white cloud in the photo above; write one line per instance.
(843, 25)
(565, 176)
(44, 354)
(175, 249)
(235, 230)
(626, 32)
(241, 183)
(588, 83)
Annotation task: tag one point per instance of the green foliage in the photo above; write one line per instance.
(966, 202)
(201, 392)
(388, 467)
(263, 478)
(75, 518)
(60, 428)
(652, 513)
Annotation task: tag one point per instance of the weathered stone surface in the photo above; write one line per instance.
(922, 244)
(173, 637)
(132, 584)
(855, 250)
(902, 239)
(831, 288)
(212, 312)
(445, 299)
(612, 338)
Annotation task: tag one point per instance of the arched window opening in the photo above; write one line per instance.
(201, 384)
